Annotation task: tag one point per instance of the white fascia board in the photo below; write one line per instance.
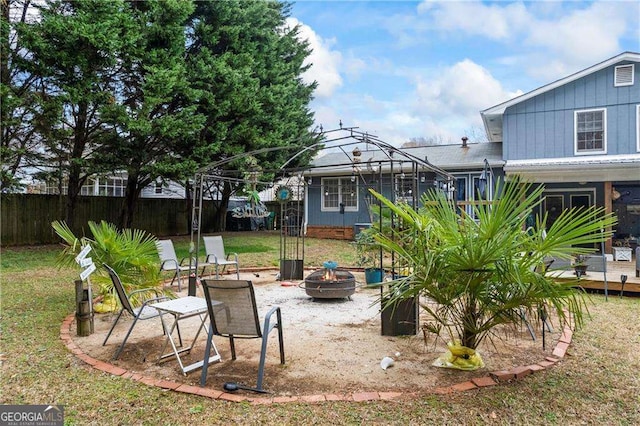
(593, 169)
(500, 108)
(579, 161)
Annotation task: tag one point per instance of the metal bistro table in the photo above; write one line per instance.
(183, 308)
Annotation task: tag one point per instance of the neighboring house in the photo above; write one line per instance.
(112, 186)
(338, 201)
(580, 136)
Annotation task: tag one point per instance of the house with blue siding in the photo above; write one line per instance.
(338, 201)
(580, 137)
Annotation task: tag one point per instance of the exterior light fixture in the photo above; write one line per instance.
(483, 181)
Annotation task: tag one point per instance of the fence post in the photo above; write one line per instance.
(84, 315)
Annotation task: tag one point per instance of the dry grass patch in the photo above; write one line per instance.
(596, 383)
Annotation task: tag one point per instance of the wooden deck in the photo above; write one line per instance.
(595, 280)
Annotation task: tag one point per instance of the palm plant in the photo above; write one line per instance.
(132, 253)
(486, 271)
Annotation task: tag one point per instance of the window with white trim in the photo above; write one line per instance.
(623, 75)
(158, 188)
(88, 188)
(337, 191)
(113, 187)
(591, 131)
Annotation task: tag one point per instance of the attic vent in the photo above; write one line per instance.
(624, 75)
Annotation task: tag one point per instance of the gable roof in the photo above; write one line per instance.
(446, 157)
(492, 117)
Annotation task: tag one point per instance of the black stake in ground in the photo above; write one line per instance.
(543, 317)
(623, 279)
(232, 387)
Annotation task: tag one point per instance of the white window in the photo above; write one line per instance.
(339, 193)
(112, 187)
(470, 189)
(158, 188)
(88, 188)
(53, 187)
(623, 75)
(591, 131)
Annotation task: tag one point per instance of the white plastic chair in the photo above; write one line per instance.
(169, 261)
(216, 256)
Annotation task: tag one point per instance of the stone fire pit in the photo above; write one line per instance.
(330, 284)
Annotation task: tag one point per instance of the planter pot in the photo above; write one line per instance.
(401, 319)
(291, 269)
(373, 275)
(580, 270)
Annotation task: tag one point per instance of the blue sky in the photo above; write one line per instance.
(424, 69)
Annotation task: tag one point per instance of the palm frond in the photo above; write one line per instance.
(487, 271)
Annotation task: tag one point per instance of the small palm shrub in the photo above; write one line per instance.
(484, 272)
(132, 253)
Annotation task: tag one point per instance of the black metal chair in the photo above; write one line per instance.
(237, 318)
(144, 312)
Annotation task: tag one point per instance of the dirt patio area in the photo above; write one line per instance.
(331, 346)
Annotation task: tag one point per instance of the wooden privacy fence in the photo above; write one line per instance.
(26, 218)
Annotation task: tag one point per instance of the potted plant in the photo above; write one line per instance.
(471, 266)
(369, 256)
(580, 265)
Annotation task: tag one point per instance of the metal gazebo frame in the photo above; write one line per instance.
(389, 159)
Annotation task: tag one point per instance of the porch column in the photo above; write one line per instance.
(608, 208)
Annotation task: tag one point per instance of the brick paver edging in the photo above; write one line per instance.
(491, 379)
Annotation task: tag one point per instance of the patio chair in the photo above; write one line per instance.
(144, 312)
(169, 261)
(237, 317)
(216, 255)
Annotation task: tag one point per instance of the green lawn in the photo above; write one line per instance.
(596, 383)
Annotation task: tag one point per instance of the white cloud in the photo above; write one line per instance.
(580, 38)
(325, 62)
(452, 98)
(555, 38)
(427, 90)
(494, 21)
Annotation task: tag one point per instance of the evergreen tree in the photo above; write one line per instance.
(154, 111)
(248, 66)
(73, 49)
(20, 100)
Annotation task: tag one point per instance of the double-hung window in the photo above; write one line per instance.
(111, 186)
(591, 131)
(338, 193)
